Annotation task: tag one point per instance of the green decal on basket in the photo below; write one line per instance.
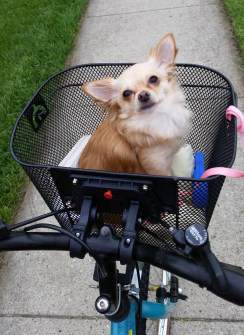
(37, 113)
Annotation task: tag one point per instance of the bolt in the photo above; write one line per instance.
(68, 204)
(77, 234)
(171, 229)
(145, 188)
(102, 304)
(74, 181)
(127, 241)
(139, 220)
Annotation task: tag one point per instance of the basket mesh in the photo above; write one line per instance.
(59, 114)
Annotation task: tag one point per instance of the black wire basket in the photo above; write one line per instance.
(59, 114)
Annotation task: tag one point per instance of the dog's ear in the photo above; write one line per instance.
(102, 90)
(165, 51)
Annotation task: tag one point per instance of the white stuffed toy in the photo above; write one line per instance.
(183, 162)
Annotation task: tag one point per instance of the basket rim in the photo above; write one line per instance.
(97, 172)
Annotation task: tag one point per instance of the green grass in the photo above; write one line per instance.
(35, 40)
(235, 9)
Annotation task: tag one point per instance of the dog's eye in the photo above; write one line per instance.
(127, 93)
(153, 80)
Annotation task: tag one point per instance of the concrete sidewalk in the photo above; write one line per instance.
(48, 293)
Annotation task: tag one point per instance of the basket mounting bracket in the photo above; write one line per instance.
(130, 219)
(81, 228)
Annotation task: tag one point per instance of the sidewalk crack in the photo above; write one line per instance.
(150, 10)
(51, 316)
(197, 319)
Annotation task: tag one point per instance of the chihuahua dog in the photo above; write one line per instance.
(146, 120)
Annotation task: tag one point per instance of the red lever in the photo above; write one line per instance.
(108, 195)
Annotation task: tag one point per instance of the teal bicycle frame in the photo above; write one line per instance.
(149, 310)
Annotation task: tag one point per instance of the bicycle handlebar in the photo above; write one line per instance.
(194, 270)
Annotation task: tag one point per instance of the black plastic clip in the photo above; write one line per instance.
(129, 234)
(215, 267)
(81, 228)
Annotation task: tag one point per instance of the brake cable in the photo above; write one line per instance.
(70, 235)
(37, 218)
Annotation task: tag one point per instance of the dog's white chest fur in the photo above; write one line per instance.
(167, 122)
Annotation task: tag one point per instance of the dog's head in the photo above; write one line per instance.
(142, 86)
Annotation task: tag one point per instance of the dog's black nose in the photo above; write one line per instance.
(144, 96)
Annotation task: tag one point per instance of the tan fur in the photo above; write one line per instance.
(136, 137)
(108, 150)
